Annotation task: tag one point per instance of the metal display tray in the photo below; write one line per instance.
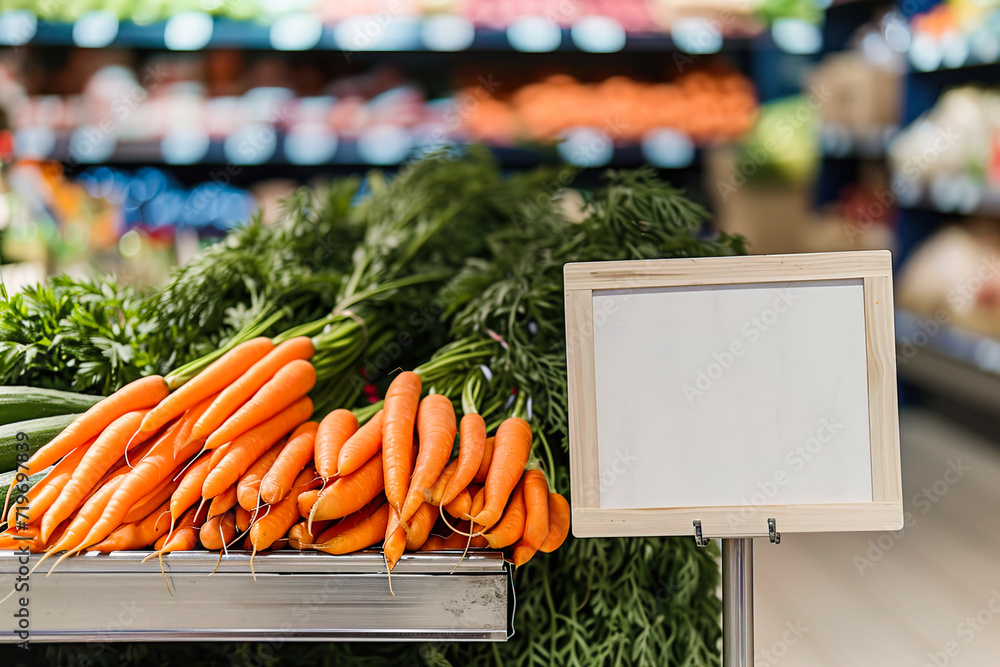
(295, 597)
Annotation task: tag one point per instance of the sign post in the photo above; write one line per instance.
(729, 397)
(737, 602)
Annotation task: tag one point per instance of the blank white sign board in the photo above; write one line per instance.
(724, 391)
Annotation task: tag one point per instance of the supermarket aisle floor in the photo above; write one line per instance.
(918, 597)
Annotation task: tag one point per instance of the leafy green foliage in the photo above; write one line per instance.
(74, 335)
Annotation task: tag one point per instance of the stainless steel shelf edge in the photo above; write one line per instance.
(295, 597)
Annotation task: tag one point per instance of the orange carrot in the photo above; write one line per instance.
(299, 536)
(252, 445)
(218, 531)
(510, 528)
(433, 543)
(86, 516)
(288, 385)
(484, 467)
(361, 446)
(219, 453)
(290, 462)
(335, 429)
(136, 535)
(189, 487)
(139, 395)
(366, 533)
(106, 450)
(395, 540)
(461, 506)
(420, 526)
(400, 408)
(147, 474)
(536, 502)
(349, 494)
(472, 444)
(523, 552)
(219, 375)
(559, 515)
(435, 493)
(248, 488)
(242, 389)
(306, 501)
(151, 501)
(243, 519)
(436, 430)
(184, 537)
(42, 495)
(478, 499)
(510, 454)
(455, 541)
(336, 528)
(283, 515)
(222, 503)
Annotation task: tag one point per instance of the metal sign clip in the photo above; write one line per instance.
(699, 539)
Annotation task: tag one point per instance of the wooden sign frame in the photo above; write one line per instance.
(585, 280)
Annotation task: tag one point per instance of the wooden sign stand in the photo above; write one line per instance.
(729, 396)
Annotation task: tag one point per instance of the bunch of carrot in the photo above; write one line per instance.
(382, 484)
(232, 455)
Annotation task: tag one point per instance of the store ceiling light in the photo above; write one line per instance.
(188, 31)
(925, 52)
(385, 144)
(954, 50)
(985, 47)
(598, 34)
(296, 32)
(696, 36)
(534, 34)
(668, 148)
(310, 143)
(377, 32)
(896, 30)
(95, 30)
(17, 27)
(251, 144)
(796, 36)
(92, 145)
(184, 145)
(586, 147)
(447, 32)
(34, 143)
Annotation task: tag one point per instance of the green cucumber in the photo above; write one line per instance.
(36, 433)
(18, 404)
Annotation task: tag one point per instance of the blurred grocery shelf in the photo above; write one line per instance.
(845, 142)
(300, 31)
(950, 195)
(948, 360)
(954, 35)
(387, 146)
